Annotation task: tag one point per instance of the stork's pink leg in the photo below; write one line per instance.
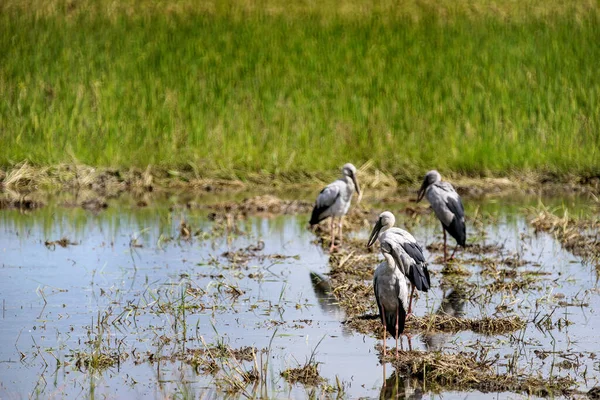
(384, 329)
(452, 256)
(341, 225)
(445, 255)
(397, 333)
(412, 291)
(332, 230)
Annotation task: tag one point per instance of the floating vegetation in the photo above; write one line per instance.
(95, 360)
(307, 375)
(473, 371)
(241, 257)
(370, 324)
(62, 242)
(205, 359)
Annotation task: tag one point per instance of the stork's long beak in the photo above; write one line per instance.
(357, 187)
(374, 233)
(421, 191)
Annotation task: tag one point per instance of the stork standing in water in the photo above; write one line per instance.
(447, 206)
(334, 201)
(391, 293)
(401, 247)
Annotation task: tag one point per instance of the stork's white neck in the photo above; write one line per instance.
(383, 229)
(348, 181)
(389, 260)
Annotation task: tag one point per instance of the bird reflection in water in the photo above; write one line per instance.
(453, 305)
(399, 387)
(327, 301)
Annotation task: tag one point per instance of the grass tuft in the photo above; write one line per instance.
(469, 371)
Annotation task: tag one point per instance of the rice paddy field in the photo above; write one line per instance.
(159, 161)
(233, 88)
(204, 296)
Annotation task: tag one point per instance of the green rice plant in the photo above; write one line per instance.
(233, 88)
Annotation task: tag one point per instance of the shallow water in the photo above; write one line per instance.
(158, 295)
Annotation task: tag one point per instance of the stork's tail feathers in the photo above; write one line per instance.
(317, 215)
(419, 277)
(390, 322)
(458, 231)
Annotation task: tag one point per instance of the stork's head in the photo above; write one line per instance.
(430, 178)
(385, 221)
(349, 170)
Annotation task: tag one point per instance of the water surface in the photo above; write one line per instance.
(158, 294)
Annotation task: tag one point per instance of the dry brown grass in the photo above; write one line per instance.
(10, 199)
(434, 323)
(350, 277)
(380, 187)
(485, 325)
(445, 10)
(472, 371)
(579, 236)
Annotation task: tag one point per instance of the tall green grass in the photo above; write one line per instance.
(239, 89)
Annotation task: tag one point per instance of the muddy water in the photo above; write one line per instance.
(158, 294)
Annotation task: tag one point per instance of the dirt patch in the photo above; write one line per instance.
(267, 204)
(473, 371)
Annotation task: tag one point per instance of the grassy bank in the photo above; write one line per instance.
(232, 87)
